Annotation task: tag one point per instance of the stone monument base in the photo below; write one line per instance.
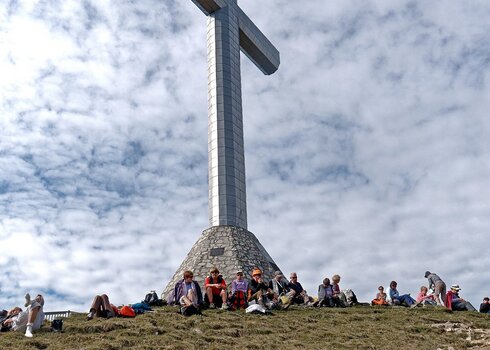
(228, 248)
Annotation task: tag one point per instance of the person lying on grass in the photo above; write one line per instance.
(101, 307)
(28, 320)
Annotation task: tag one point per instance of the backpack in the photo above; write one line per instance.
(349, 298)
(151, 297)
(189, 310)
(153, 300)
(127, 311)
(238, 301)
(141, 308)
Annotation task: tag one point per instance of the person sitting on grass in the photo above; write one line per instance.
(336, 286)
(187, 294)
(257, 289)
(101, 307)
(326, 295)
(296, 292)
(238, 294)
(338, 296)
(28, 320)
(425, 299)
(215, 287)
(485, 306)
(277, 287)
(380, 297)
(397, 299)
(454, 302)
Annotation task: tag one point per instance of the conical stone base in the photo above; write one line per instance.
(228, 248)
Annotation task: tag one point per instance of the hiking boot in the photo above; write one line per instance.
(212, 306)
(28, 301)
(90, 315)
(29, 331)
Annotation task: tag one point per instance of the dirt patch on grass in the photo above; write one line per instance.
(478, 338)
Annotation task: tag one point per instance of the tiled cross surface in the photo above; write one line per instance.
(229, 30)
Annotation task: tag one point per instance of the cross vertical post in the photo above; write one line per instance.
(229, 30)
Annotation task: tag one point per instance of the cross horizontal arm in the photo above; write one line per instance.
(209, 6)
(256, 46)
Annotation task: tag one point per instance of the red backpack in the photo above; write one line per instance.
(127, 311)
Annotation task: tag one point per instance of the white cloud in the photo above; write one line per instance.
(365, 153)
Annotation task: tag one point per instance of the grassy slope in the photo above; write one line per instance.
(352, 328)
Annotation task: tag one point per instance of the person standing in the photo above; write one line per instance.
(438, 286)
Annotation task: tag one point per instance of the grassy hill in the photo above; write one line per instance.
(296, 328)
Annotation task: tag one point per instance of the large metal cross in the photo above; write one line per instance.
(229, 30)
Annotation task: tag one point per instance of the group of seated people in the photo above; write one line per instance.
(451, 300)
(277, 294)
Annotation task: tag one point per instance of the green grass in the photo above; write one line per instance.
(296, 328)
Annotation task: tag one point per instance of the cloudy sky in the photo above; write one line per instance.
(367, 152)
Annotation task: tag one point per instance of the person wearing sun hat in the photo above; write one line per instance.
(257, 289)
(455, 302)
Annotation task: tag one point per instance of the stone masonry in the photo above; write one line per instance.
(228, 248)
